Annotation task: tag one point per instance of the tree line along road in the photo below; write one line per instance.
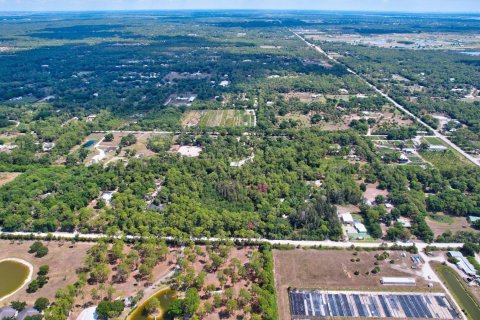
(297, 243)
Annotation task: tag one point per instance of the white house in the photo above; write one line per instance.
(347, 218)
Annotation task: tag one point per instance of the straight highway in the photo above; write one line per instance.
(436, 133)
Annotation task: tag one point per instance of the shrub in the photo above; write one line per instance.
(109, 310)
(18, 305)
(39, 249)
(33, 286)
(41, 304)
(43, 270)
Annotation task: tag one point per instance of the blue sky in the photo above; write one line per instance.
(362, 5)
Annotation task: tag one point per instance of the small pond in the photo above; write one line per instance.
(12, 276)
(165, 296)
(89, 143)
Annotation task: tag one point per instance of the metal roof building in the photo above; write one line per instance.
(398, 281)
(347, 218)
(463, 263)
(360, 227)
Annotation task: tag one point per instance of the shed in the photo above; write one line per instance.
(463, 263)
(360, 228)
(347, 218)
(398, 281)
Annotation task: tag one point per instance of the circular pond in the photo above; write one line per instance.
(14, 273)
(165, 296)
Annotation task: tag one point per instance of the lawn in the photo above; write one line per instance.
(433, 141)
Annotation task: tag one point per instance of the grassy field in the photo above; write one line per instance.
(440, 223)
(457, 287)
(445, 158)
(433, 141)
(442, 218)
(218, 118)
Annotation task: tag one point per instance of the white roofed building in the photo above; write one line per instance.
(398, 281)
(347, 218)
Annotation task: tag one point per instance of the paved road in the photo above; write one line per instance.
(430, 275)
(301, 243)
(395, 103)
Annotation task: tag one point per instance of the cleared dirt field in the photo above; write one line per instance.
(6, 177)
(444, 223)
(62, 259)
(302, 119)
(218, 118)
(305, 97)
(333, 269)
(372, 191)
(105, 150)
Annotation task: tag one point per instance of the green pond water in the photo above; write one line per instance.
(165, 296)
(12, 276)
(466, 301)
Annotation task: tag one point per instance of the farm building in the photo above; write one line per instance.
(437, 148)
(351, 231)
(362, 230)
(463, 263)
(347, 218)
(398, 281)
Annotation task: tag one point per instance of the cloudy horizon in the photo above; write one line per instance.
(434, 6)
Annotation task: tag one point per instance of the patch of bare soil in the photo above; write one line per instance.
(63, 258)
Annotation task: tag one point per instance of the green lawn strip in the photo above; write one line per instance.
(434, 140)
(203, 119)
(437, 141)
(441, 218)
(224, 121)
(460, 292)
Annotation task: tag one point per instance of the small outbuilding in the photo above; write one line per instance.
(398, 281)
(362, 230)
(347, 218)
